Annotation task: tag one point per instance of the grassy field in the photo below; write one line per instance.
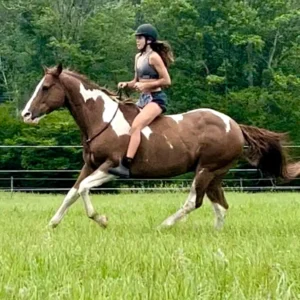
(255, 256)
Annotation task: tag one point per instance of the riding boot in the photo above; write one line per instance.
(123, 170)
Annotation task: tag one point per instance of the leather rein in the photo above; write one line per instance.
(119, 97)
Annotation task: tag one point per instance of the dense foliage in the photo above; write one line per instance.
(239, 57)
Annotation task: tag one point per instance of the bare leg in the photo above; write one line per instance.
(135, 140)
(70, 198)
(195, 198)
(143, 119)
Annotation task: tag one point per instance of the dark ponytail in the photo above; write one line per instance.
(164, 50)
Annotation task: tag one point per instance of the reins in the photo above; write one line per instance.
(119, 97)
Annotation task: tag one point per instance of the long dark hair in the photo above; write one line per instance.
(164, 50)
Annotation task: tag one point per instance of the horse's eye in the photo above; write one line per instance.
(45, 88)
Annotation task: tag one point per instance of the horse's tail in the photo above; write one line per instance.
(265, 151)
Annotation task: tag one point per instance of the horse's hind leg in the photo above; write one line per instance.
(70, 198)
(195, 198)
(215, 194)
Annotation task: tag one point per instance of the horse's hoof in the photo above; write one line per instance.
(52, 225)
(218, 226)
(164, 225)
(102, 221)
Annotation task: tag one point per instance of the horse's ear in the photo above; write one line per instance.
(59, 69)
(45, 69)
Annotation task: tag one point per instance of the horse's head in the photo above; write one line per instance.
(49, 95)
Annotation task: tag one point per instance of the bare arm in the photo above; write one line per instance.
(130, 84)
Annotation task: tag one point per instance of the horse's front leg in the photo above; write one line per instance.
(97, 178)
(71, 197)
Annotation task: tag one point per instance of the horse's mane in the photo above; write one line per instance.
(113, 95)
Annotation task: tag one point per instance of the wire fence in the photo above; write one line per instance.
(15, 180)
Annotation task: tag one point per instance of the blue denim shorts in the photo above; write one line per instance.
(157, 97)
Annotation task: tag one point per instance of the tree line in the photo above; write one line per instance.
(238, 57)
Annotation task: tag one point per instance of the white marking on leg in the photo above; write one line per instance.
(27, 107)
(146, 131)
(95, 179)
(189, 205)
(220, 213)
(176, 118)
(226, 119)
(70, 198)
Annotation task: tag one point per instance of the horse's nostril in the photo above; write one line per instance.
(27, 114)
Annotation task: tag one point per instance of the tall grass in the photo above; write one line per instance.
(255, 256)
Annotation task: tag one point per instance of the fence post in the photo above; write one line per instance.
(11, 185)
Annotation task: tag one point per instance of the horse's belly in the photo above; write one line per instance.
(162, 156)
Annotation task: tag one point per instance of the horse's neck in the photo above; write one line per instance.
(89, 106)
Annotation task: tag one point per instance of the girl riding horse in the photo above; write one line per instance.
(151, 75)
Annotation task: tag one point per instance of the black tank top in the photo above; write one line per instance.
(144, 70)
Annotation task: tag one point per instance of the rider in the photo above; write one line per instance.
(151, 75)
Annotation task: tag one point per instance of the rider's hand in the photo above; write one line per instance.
(140, 86)
(122, 85)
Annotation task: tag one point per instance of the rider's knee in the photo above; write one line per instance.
(135, 128)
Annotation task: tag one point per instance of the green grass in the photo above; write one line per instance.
(255, 256)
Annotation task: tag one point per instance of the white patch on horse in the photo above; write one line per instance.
(120, 125)
(168, 142)
(189, 205)
(220, 213)
(37, 120)
(201, 171)
(26, 109)
(176, 118)
(70, 198)
(226, 119)
(95, 179)
(110, 106)
(89, 94)
(146, 131)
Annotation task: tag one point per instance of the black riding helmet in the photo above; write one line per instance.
(148, 31)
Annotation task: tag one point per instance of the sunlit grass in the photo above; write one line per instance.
(255, 256)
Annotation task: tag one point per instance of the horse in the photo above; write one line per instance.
(204, 141)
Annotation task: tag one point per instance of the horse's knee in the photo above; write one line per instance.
(189, 205)
(83, 189)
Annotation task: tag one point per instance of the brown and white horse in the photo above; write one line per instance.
(204, 141)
